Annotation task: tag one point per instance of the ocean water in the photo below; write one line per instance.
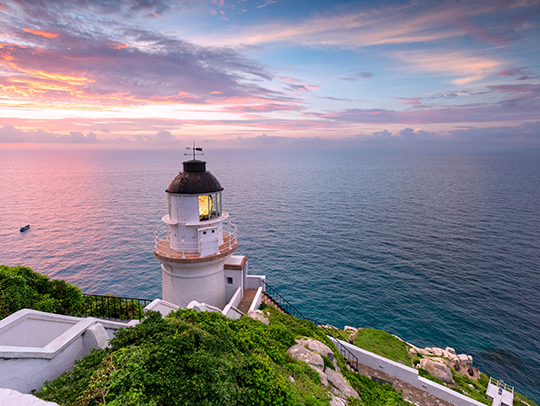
(439, 247)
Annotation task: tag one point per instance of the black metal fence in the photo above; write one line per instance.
(283, 304)
(114, 307)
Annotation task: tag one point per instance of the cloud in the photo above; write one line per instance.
(412, 22)
(523, 73)
(521, 102)
(414, 101)
(354, 78)
(42, 9)
(528, 133)
(263, 108)
(90, 62)
(466, 66)
(10, 134)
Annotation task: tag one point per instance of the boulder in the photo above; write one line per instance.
(439, 352)
(318, 347)
(322, 375)
(335, 401)
(450, 353)
(258, 315)
(352, 337)
(351, 329)
(301, 353)
(437, 370)
(421, 351)
(413, 352)
(399, 338)
(340, 386)
(464, 359)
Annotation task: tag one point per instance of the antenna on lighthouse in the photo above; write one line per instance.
(194, 150)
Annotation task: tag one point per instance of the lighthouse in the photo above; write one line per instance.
(196, 243)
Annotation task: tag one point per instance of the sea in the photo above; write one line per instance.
(440, 247)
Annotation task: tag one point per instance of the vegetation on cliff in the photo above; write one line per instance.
(22, 288)
(191, 358)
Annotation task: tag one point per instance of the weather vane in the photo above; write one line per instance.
(194, 150)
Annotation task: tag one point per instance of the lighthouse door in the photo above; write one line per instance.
(208, 241)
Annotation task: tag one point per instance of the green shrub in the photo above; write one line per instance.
(22, 288)
(191, 358)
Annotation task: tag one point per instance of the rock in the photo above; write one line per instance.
(322, 376)
(319, 348)
(9, 397)
(438, 360)
(471, 386)
(437, 351)
(437, 370)
(340, 386)
(464, 359)
(422, 351)
(258, 315)
(351, 329)
(301, 353)
(291, 379)
(335, 401)
(399, 338)
(413, 352)
(450, 353)
(352, 337)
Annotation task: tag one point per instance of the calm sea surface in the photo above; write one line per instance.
(441, 248)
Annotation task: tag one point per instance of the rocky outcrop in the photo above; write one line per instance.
(353, 331)
(448, 353)
(340, 386)
(258, 315)
(437, 369)
(335, 401)
(312, 352)
(301, 353)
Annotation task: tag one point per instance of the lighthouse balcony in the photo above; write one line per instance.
(203, 250)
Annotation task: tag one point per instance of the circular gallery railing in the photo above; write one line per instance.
(202, 248)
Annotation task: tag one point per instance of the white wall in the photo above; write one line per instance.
(406, 374)
(46, 349)
(204, 282)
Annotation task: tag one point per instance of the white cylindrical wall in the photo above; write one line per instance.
(203, 282)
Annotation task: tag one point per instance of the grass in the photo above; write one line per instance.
(384, 344)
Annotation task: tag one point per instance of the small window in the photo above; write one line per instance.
(229, 281)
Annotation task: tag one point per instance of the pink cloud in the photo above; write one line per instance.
(415, 101)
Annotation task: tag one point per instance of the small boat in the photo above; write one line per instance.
(23, 229)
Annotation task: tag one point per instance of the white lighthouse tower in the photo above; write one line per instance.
(196, 247)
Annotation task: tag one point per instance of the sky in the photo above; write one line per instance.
(269, 73)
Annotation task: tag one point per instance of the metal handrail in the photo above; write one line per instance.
(161, 235)
(114, 307)
(350, 358)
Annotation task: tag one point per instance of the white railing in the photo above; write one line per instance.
(164, 246)
(501, 384)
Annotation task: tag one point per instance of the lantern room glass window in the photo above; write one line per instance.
(209, 206)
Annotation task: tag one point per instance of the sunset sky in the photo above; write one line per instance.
(258, 73)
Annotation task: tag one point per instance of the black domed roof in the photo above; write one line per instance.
(194, 180)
